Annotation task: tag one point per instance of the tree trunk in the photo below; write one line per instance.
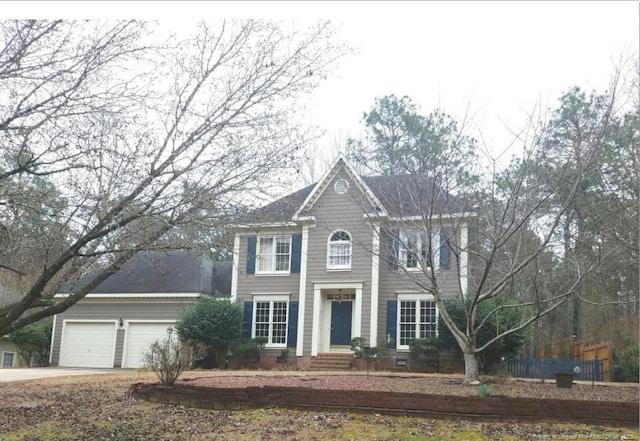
(471, 375)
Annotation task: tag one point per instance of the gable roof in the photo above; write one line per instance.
(395, 196)
(165, 272)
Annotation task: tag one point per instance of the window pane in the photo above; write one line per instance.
(340, 254)
(283, 248)
(407, 322)
(427, 319)
(265, 256)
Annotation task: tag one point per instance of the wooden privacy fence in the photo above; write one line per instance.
(549, 367)
(600, 351)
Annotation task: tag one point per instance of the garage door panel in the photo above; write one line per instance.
(138, 338)
(87, 344)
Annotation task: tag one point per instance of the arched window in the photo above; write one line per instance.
(339, 250)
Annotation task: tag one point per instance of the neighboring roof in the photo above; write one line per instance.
(163, 272)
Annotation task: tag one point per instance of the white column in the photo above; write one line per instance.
(358, 318)
(315, 331)
(464, 258)
(375, 273)
(236, 267)
(302, 290)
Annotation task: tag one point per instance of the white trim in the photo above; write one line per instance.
(323, 183)
(182, 295)
(302, 290)
(414, 298)
(375, 274)
(271, 298)
(13, 360)
(236, 267)
(315, 321)
(274, 238)
(464, 259)
(339, 242)
(276, 297)
(265, 225)
(53, 337)
(357, 323)
(437, 216)
(316, 329)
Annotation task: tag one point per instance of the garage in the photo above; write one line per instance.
(138, 337)
(88, 344)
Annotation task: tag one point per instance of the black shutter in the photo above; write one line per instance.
(296, 248)
(392, 322)
(445, 250)
(247, 319)
(251, 254)
(292, 331)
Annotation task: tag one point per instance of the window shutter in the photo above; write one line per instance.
(392, 322)
(247, 319)
(394, 238)
(296, 248)
(292, 331)
(425, 245)
(251, 254)
(445, 250)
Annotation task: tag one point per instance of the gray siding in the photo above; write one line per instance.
(264, 283)
(91, 309)
(339, 212)
(392, 281)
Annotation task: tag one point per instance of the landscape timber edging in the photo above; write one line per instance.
(496, 407)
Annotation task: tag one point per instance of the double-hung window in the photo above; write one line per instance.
(274, 254)
(339, 250)
(413, 250)
(417, 318)
(270, 320)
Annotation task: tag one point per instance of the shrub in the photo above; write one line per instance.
(248, 350)
(212, 323)
(484, 391)
(625, 368)
(424, 355)
(506, 319)
(362, 350)
(33, 342)
(168, 359)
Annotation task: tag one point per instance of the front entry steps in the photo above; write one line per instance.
(332, 362)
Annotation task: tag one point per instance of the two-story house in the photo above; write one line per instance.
(346, 258)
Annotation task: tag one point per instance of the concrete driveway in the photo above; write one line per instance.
(19, 374)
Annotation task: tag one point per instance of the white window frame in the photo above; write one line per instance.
(271, 299)
(403, 251)
(275, 239)
(13, 360)
(330, 242)
(417, 299)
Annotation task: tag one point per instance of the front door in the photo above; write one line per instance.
(341, 323)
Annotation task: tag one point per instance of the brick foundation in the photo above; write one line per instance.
(499, 408)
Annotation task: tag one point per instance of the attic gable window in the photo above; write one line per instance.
(339, 250)
(274, 254)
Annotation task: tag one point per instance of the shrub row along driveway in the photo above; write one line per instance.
(100, 407)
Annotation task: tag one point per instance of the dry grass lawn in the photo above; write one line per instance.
(100, 408)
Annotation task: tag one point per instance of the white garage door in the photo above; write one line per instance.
(88, 344)
(138, 338)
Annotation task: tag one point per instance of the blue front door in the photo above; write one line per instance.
(341, 323)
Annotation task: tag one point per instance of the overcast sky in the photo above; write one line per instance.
(499, 60)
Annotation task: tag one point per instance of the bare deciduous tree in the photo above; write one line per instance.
(112, 141)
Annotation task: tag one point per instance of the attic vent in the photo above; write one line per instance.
(341, 186)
